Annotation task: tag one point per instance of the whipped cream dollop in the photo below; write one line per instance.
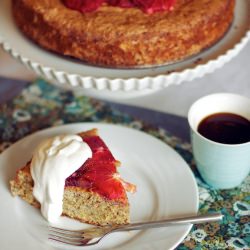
(53, 161)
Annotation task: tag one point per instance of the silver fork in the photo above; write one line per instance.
(94, 235)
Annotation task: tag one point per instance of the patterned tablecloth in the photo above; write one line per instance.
(41, 105)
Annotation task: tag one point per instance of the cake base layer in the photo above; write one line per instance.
(81, 205)
(125, 37)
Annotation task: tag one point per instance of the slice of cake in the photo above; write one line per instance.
(94, 193)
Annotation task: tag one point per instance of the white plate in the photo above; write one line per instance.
(121, 83)
(166, 188)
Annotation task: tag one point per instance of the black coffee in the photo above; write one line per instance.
(225, 128)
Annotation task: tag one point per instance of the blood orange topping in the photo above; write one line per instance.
(98, 173)
(148, 6)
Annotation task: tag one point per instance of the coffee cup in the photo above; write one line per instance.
(222, 164)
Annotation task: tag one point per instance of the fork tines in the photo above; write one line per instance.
(65, 236)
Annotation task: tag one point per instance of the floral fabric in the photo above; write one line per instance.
(41, 105)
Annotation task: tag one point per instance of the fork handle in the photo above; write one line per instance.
(197, 219)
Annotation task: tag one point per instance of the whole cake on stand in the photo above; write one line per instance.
(118, 49)
(124, 33)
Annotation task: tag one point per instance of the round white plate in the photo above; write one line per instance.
(121, 83)
(166, 187)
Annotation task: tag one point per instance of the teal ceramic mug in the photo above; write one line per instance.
(222, 166)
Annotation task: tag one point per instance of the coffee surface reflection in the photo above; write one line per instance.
(227, 128)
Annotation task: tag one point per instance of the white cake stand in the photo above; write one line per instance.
(110, 83)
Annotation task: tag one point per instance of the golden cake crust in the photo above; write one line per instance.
(114, 36)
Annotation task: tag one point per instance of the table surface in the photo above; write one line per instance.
(233, 232)
(233, 77)
(41, 105)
